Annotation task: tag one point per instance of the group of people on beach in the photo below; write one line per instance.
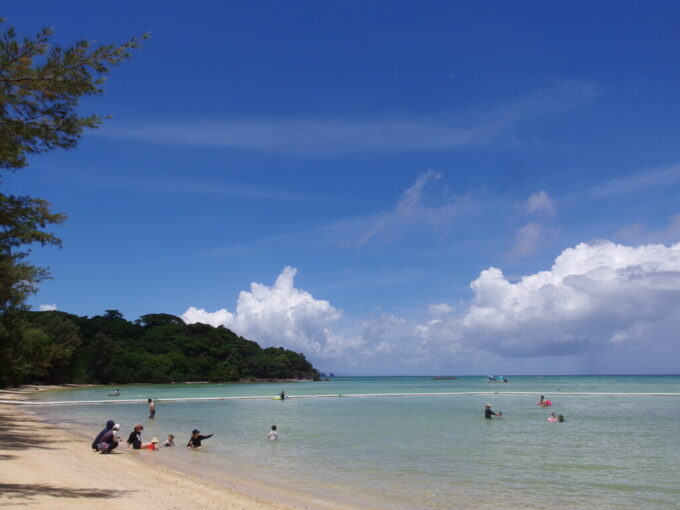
(109, 437)
(543, 402)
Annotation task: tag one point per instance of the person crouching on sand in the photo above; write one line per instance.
(109, 425)
(196, 438)
(109, 441)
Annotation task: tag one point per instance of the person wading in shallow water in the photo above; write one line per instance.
(196, 438)
(152, 409)
(488, 413)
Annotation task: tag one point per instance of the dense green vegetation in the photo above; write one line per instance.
(157, 348)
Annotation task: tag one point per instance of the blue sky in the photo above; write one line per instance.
(388, 187)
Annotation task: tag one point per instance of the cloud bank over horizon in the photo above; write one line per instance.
(601, 307)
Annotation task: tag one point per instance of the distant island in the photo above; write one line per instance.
(61, 348)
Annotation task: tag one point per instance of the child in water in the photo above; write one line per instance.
(552, 418)
(273, 435)
(170, 441)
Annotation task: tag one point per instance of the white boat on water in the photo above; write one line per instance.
(495, 378)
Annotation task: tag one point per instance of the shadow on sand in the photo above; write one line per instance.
(19, 432)
(29, 490)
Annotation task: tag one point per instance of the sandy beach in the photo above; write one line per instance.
(44, 467)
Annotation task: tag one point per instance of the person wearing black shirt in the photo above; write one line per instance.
(488, 413)
(135, 437)
(196, 438)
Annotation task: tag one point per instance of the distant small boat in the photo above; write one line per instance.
(441, 378)
(495, 378)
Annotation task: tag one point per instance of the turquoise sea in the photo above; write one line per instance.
(428, 447)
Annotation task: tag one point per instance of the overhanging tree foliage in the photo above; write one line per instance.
(40, 87)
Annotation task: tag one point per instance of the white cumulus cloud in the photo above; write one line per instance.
(280, 315)
(47, 308)
(608, 303)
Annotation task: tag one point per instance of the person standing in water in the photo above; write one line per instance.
(273, 435)
(196, 438)
(152, 409)
(488, 413)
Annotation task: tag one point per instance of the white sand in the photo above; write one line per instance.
(46, 468)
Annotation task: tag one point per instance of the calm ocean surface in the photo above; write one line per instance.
(419, 451)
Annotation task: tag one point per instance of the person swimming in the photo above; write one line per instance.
(543, 402)
(552, 418)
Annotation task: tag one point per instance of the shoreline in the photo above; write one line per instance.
(48, 467)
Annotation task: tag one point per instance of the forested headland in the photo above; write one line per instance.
(61, 348)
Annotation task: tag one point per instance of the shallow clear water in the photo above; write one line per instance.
(417, 451)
